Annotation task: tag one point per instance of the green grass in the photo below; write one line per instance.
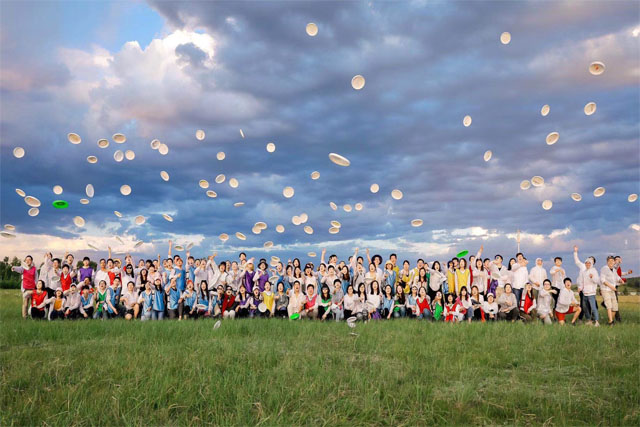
(276, 372)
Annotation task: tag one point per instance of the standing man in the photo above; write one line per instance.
(557, 277)
(609, 281)
(28, 282)
(537, 276)
(618, 266)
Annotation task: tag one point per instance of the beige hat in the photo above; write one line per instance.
(347, 207)
(224, 237)
(598, 192)
(7, 235)
(416, 223)
(358, 206)
(74, 138)
(33, 212)
(635, 227)
(537, 181)
(397, 194)
(57, 189)
(280, 228)
(32, 201)
(212, 194)
(311, 254)
(118, 156)
(125, 190)
(357, 82)
(164, 175)
(241, 236)
(374, 188)
(119, 138)
(163, 149)
(92, 247)
(334, 230)
(189, 246)
(9, 227)
(576, 197)
(467, 121)
(20, 192)
(203, 183)
(241, 133)
(308, 229)
(179, 248)
(339, 160)
(547, 204)
(167, 217)
(129, 155)
(333, 206)
(505, 38)
(89, 190)
(268, 244)
(632, 197)
(315, 175)
(525, 185)
(155, 144)
(119, 239)
(220, 155)
(118, 214)
(220, 178)
(271, 147)
(233, 183)
(103, 143)
(78, 221)
(139, 220)
(545, 110)
(296, 220)
(487, 155)
(18, 152)
(200, 135)
(312, 29)
(590, 108)
(92, 159)
(552, 138)
(336, 224)
(303, 218)
(596, 68)
(138, 244)
(84, 201)
(261, 225)
(288, 192)
(238, 204)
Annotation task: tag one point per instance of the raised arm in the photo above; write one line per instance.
(579, 263)
(324, 251)
(170, 245)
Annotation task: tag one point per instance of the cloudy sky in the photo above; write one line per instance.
(163, 70)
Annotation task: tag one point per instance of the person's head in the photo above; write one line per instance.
(40, 285)
(498, 259)
(129, 270)
(361, 289)
(85, 291)
(486, 263)
(242, 256)
(297, 272)
(310, 289)
(438, 296)
(296, 262)
(399, 289)
(345, 272)
(130, 286)
(511, 262)
(267, 286)
(234, 266)
(280, 287)
(618, 259)
(567, 283)
(611, 260)
(242, 289)
(463, 292)
(546, 284)
(388, 291)
(539, 262)
(204, 287)
(220, 290)
(56, 263)
(375, 287)
(423, 292)
(372, 268)
(588, 263)
(422, 274)
(450, 298)
(405, 264)
(256, 291)
(263, 265)
(191, 261)
(65, 269)
(350, 290)
(519, 256)
(474, 290)
(189, 285)
(436, 266)
(479, 264)
(337, 285)
(414, 290)
(557, 261)
(229, 291)
(152, 269)
(450, 265)
(157, 283)
(490, 298)
(420, 263)
(87, 282)
(296, 286)
(331, 270)
(102, 285)
(109, 263)
(463, 263)
(59, 293)
(173, 283)
(73, 288)
(325, 292)
(116, 282)
(393, 258)
(388, 265)
(528, 288)
(507, 288)
(377, 260)
(85, 262)
(455, 262)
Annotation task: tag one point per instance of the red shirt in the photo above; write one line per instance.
(37, 299)
(309, 303)
(620, 274)
(65, 282)
(422, 305)
(227, 302)
(29, 278)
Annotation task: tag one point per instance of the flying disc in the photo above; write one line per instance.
(103, 143)
(288, 192)
(238, 204)
(256, 230)
(179, 248)
(547, 204)
(552, 138)
(140, 220)
(462, 254)
(339, 160)
(212, 194)
(9, 227)
(312, 29)
(221, 155)
(505, 38)
(374, 188)
(92, 159)
(590, 108)
(632, 198)
(347, 207)
(336, 224)
(268, 244)
(241, 236)
(487, 155)
(118, 156)
(545, 110)
(189, 246)
(224, 237)
(576, 197)
(262, 307)
(32, 201)
(200, 135)
(295, 220)
(217, 324)
(280, 228)
(525, 185)
(78, 221)
(303, 218)
(74, 138)
(18, 152)
(60, 204)
(261, 225)
(163, 149)
(167, 217)
(119, 239)
(466, 121)
(20, 192)
(119, 138)
(233, 183)
(333, 206)
(271, 147)
(164, 175)
(537, 181)
(92, 247)
(311, 254)
(84, 201)
(635, 227)
(294, 316)
(308, 229)
(33, 212)
(155, 144)
(397, 194)
(242, 133)
(118, 214)
(7, 234)
(138, 244)
(125, 190)
(129, 155)
(358, 206)
(334, 230)
(357, 82)
(596, 68)
(315, 175)
(203, 183)
(598, 192)
(89, 190)
(416, 223)
(220, 178)
(57, 189)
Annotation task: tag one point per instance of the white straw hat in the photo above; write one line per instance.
(397, 194)
(164, 175)
(78, 221)
(547, 204)
(288, 192)
(545, 110)
(125, 190)
(467, 121)
(89, 190)
(18, 152)
(312, 29)
(339, 160)
(552, 138)
(357, 82)
(200, 135)
(74, 138)
(590, 108)
(119, 138)
(505, 38)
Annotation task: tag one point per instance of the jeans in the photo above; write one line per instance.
(337, 314)
(518, 294)
(592, 309)
(445, 288)
(401, 312)
(469, 314)
(157, 314)
(426, 314)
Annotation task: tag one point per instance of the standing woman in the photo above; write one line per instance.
(345, 278)
(142, 280)
(388, 303)
(462, 277)
(157, 313)
(349, 302)
(281, 301)
(436, 279)
(261, 276)
(400, 302)
(28, 282)
(480, 276)
(421, 280)
(360, 306)
(310, 303)
(450, 284)
(248, 276)
(405, 276)
(370, 277)
(424, 306)
(390, 277)
(146, 299)
(39, 301)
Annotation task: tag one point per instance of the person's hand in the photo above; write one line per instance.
(591, 276)
(214, 255)
(481, 248)
(575, 248)
(630, 271)
(170, 242)
(85, 315)
(367, 251)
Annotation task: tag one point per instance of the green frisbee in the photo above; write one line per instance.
(294, 316)
(60, 204)
(462, 254)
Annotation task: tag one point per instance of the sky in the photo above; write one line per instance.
(163, 70)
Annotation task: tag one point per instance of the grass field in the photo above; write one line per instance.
(277, 372)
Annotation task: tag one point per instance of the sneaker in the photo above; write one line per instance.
(596, 324)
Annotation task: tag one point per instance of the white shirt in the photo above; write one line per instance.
(537, 275)
(520, 276)
(565, 299)
(610, 276)
(501, 274)
(544, 302)
(102, 275)
(557, 277)
(490, 308)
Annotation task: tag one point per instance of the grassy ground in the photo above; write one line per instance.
(282, 373)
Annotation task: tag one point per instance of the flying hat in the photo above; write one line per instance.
(547, 204)
(220, 178)
(179, 248)
(32, 201)
(590, 108)
(9, 227)
(347, 208)
(288, 192)
(280, 228)
(416, 223)
(632, 197)
(271, 147)
(397, 194)
(20, 192)
(84, 201)
(203, 183)
(139, 220)
(315, 175)
(505, 38)
(129, 155)
(163, 149)
(357, 82)
(18, 152)
(262, 307)
(525, 185)
(339, 160)
(552, 138)
(308, 229)
(303, 218)
(103, 143)
(164, 175)
(155, 144)
(598, 192)
(200, 135)
(118, 214)
(467, 121)
(78, 221)
(312, 29)
(576, 197)
(487, 155)
(242, 133)
(358, 206)
(596, 68)
(295, 220)
(7, 235)
(138, 244)
(212, 194)
(334, 230)
(125, 190)
(545, 110)
(118, 156)
(233, 183)
(57, 189)
(119, 138)
(374, 188)
(537, 181)
(33, 212)
(333, 206)
(92, 159)
(220, 155)
(268, 244)
(241, 236)
(89, 190)
(238, 204)
(224, 237)
(311, 254)
(167, 217)
(74, 138)
(336, 224)
(256, 230)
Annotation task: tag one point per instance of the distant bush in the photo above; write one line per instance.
(633, 282)
(9, 284)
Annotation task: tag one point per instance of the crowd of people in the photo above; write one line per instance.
(360, 289)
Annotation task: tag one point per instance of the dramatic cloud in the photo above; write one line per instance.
(226, 66)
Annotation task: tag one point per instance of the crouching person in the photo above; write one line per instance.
(545, 297)
(567, 304)
(73, 303)
(130, 301)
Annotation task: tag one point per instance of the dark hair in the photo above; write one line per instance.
(405, 262)
(509, 265)
(322, 291)
(520, 253)
(393, 255)
(377, 290)
(350, 286)
(433, 266)
(557, 258)
(419, 259)
(337, 281)
(390, 293)
(466, 265)
(545, 281)
(364, 291)
(566, 279)
(498, 256)
(378, 257)
(241, 253)
(455, 258)
(466, 293)
(278, 286)
(83, 259)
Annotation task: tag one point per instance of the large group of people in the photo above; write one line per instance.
(360, 289)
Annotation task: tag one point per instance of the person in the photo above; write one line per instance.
(411, 303)
(101, 301)
(545, 296)
(436, 306)
(27, 282)
(609, 281)
(337, 299)
(388, 303)
(490, 308)
(452, 312)
(244, 301)
(537, 276)
(508, 305)
(39, 301)
(254, 301)
(360, 306)
(436, 279)
(114, 309)
(349, 302)
(567, 303)
(528, 304)
(480, 276)
(500, 274)
(520, 276)
(268, 300)
(464, 303)
(146, 299)
(390, 275)
(173, 298)
(618, 267)
(157, 313)
(229, 303)
(86, 271)
(72, 304)
(477, 302)
(281, 301)
(130, 300)
(424, 305)
(324, 305)
(57, 305)
(296, 300)
(188, 302)
(405, 276)
(450, 284)
(86, 302)
(261, 276)
(588, 280)
(399, 304)
(557, 278)
(310, 310)
(463, 278)
(374, 301)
